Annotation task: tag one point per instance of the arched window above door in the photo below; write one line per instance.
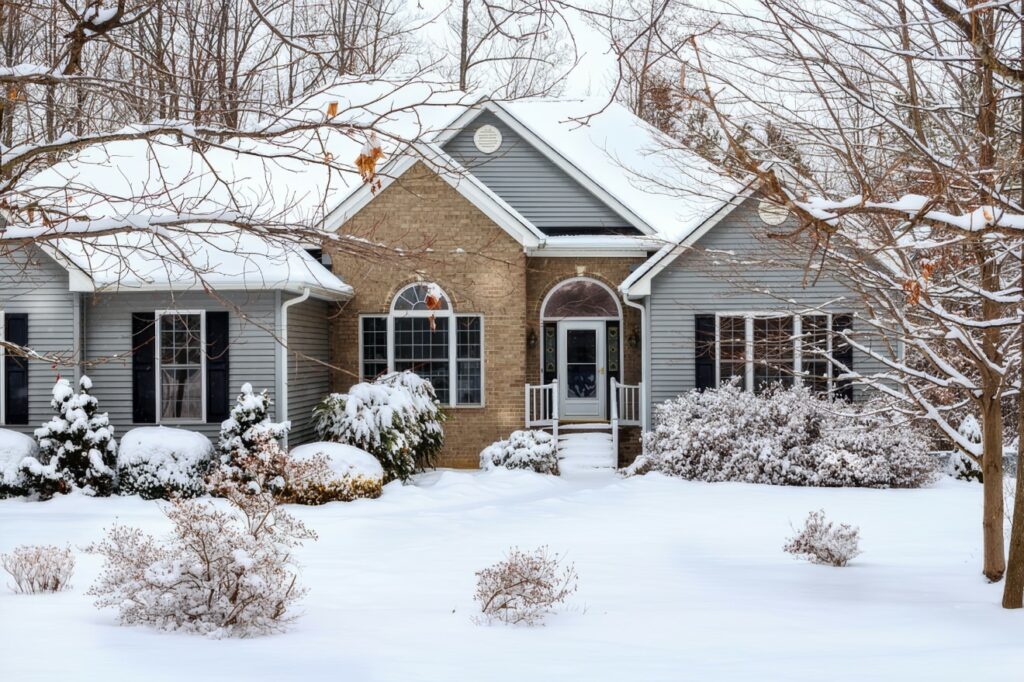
(580, 297)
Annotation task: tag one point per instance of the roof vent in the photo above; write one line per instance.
(487, 139)
(771, 213)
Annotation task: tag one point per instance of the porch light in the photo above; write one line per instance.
(531, 338)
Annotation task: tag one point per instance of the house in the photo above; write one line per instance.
(545, 266)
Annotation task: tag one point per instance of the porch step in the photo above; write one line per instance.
(585, 451)
(584, 426)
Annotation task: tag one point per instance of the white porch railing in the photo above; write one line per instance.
(542, 407)
(627, 407)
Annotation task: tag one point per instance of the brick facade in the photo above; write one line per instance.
(449, 241)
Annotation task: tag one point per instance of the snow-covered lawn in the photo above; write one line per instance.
(678, 581)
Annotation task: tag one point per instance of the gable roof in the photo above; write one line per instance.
(638, 283)
(655, 186)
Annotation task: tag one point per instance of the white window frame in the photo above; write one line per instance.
(447, 316)
(159, 315)
(748, 330)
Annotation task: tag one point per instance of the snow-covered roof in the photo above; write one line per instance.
(668, 188)
(205, 256)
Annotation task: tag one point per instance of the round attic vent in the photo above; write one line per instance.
(772, 214)
(487, 139)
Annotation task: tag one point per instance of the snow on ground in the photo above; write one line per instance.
(678, 581)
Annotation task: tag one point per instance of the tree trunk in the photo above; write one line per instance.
(992, 470)
(464, 46)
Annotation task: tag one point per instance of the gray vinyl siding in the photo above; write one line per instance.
(31, 282)
(308, 379)
(108, 322)
(533, 185)
(706, 282)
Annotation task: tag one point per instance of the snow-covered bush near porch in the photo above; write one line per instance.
(221, 573)
(396, 418)
(532, 449)
(784, 437)
(249, 421)
(161, 462)
(14, 448)
(340, 472)
(76, 447)
(822, 542)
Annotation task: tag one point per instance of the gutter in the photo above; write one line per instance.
(645, 359)
(282, 340)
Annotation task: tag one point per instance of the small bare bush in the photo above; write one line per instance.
(821, 542)
(39, 568)
(525, 587)
(220, 573)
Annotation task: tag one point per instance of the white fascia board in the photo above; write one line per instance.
(570, 169)
(78, 279)
(638, 284)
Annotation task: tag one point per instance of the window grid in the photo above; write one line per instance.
(761, 349)
(181, 393)
(425, 337)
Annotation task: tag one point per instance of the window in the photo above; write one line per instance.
(758, 350)
(180, 371)
(423, 335)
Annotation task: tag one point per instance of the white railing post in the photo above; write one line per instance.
(528, 420)
(554, 411)
(615, 417)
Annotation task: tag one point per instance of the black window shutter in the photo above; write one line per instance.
(704, 351)
(143, 368)
(218, 395)
(842, 352)
(16, 370)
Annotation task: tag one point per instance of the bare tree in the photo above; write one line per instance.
(891, 131)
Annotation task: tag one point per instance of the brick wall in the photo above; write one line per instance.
(449, 241)
(482, 269)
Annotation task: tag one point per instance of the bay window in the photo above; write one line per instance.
(422, 334)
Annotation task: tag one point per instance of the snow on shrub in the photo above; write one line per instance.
(962, 465)
(248, 422)
(220, 573)
(39, 568)
(784, 437)
(327, 472)
(397, 419)
(820, 542)
(159, 462)
(533, 450)
(525, 587)
(14, 448)
(76, 448)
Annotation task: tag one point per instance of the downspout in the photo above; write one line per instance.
(645, 359)
(282, 340)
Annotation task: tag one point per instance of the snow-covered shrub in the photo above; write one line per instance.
(397, 419)
(318, 473)
(784, 437)
(961, 465)
(221, 573)
(76, 448)
(533, 450)
(39, 568)
(159, 462)
(263, 467)
(524, 587)
(820, 542)
(249, 422)
(14, 448)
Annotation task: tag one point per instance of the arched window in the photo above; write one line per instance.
(580, 297)
(424, 335)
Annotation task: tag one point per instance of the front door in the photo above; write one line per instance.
(581, 370)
